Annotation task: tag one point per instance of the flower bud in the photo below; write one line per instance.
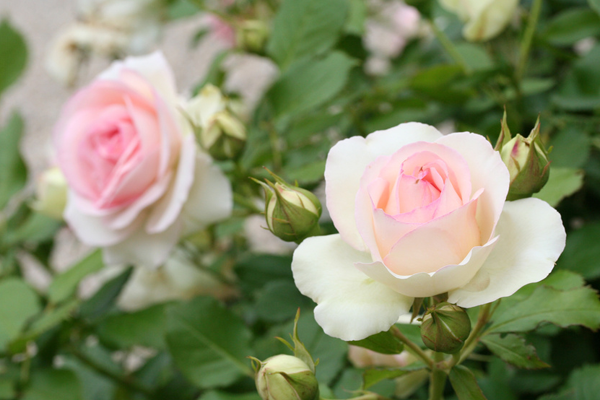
(219, 130)
(252, 35)
(284, 377)
(527, 162)
(292, 213)
(51, 193)
(445, 328)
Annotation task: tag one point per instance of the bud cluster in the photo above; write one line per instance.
(218, 128)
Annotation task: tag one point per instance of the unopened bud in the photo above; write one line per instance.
(51, 193)
(292, 213)
(284, 377)
(445, 328)
(252, 35)
(526, 160)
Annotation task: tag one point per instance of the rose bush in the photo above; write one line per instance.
(484, 19)
(137, 180)
(420, 214)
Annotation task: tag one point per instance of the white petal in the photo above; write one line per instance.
(531, 238)
(168, 208)
(488, 172)
(351, 306)
(94, 230)
(154, 67)
(426, 285)
(143, 249)
(210, 198)
(346, 163)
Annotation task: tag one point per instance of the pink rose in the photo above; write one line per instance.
(137, 181)
(420, 214)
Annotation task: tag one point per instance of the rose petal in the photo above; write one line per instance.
(210, 198)
(488, 172)
(143, 249)
(351, 306)
(166, 210)
(531, 238)
(442, 241)
(346, 163)
(93, 230)
(424, 285)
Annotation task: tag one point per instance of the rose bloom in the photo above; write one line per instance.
(420, 214)
(137, 180)
(484, 19)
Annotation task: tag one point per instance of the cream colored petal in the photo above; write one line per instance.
(346, 163)
(351, 306)
(531, 238)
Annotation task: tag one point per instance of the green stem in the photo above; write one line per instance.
(438, 379)
(485, 312)
(528, 38)
(412, 348)
(450, 48)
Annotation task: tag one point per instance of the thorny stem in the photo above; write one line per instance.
(412, 348)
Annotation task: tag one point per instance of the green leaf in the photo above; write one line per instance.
(13, 173)
(53, 384)
(464, 384)
(104, 298)
(37, 228)
(309, 83)
(572, 25)
(146, 327)
(563, 182)
(582, 253)
(65, 284)
(382, 342)
(7, 391)
(256, 271)
(580, 89)
(14, 55)
(373, 376)
(304, 28)
(583, 384)
(564, 308)
(208, 343)
(514, 350)
(308, 173)
(475, 55)
(570, 148)
(18, 303)
(279, 301)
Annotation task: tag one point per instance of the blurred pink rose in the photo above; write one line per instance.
(136, 178)
(420, 214)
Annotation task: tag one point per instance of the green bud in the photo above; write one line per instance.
(445, 328)
(526, 160)
(292, 213)
(284, 377)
